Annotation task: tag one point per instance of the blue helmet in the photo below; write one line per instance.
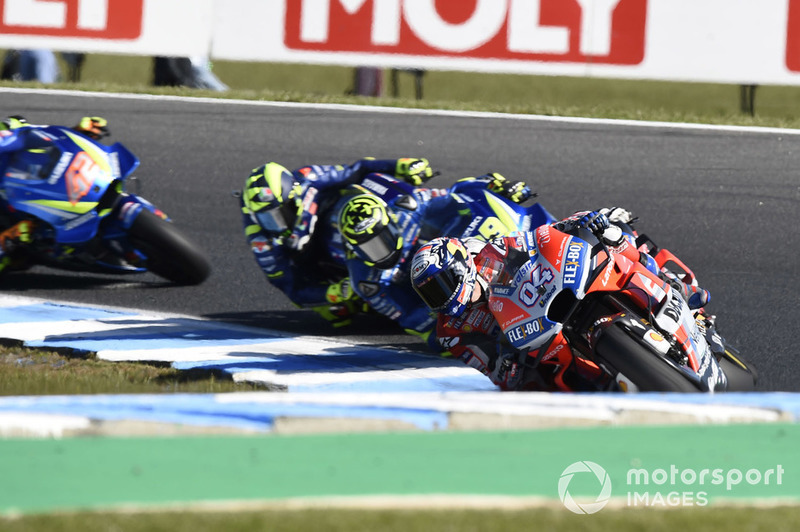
(444, 274)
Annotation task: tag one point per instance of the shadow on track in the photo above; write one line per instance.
(25, 281)
(374, 329)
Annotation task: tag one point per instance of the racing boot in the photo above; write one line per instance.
(340, 314)
(694, 296)
(5, 261)
(10, 239)
(19, 233)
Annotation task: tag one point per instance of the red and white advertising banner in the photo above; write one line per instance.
(140, 27)
(732, 41)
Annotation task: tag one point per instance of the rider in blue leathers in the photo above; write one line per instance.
(27, 143)
(287, 222)
(382, 236)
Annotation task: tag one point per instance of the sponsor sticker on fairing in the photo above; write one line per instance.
(546, 299)
(377, 188)
(525, 332)
(657, 342)
(60, 167)
(80, 220)
(572, 262)
(113, 159)
(503, 291)
(471, 228)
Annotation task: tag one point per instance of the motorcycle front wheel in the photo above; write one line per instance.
(644, 368)
(742, 375)
(169, 253)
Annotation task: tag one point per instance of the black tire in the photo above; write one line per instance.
(740, 379)
(169, 253)
(646, 369)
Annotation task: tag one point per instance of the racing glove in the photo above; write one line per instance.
(595, 222)
(94, 127)
(306, 222)
(507, 372)
(340, 292)
(618, 215)
(413, 171)
(516, 191)
(592, 220)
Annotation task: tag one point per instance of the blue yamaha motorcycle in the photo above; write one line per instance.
(73, 189)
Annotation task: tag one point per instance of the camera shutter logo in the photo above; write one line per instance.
(587, 507)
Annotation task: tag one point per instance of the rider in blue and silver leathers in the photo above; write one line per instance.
(288, 217)
(384, 221)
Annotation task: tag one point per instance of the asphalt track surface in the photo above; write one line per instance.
(724, 200)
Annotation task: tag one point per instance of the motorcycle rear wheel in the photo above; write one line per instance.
(644, 368)
(169, 253)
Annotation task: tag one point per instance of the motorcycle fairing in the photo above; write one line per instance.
(63, 181)
(521, 303)
(490, 215)
(676, 318)
(672, 316)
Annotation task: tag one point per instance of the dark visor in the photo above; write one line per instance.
(277, 221)
(379, 247)
(439, 290)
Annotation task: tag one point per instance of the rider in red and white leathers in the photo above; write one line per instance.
(452, 275)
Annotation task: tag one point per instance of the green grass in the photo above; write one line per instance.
(26, 371)
(698, 520)
(777, 106)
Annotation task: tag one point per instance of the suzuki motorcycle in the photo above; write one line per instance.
(593, 317)
(73, 188)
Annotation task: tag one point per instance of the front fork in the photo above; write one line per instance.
(117, 225)
(129, 206)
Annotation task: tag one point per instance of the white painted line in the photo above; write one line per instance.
(29, 424)
(407, 110)
(200, 352)
(388, 373)
(36, 331)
